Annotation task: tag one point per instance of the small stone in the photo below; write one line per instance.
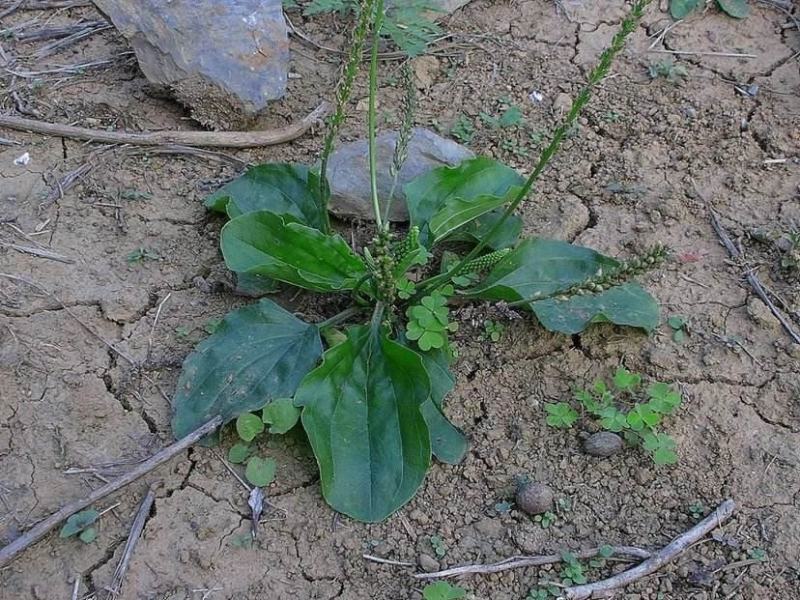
(535, 498)
(428, 563)
(383, 550)
(602, 443)
(224, 60)
(425, 69)
(348, 171)
(490, 528)
(562, 103)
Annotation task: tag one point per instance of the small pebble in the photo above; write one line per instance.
(535, 498)
(428, 563)
(603, 443)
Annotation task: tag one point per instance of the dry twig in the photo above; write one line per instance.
(66, 308)
(751, 277)
(599, 589)
(130, 545)
(518, 562)
(219, 139)
(38, 531)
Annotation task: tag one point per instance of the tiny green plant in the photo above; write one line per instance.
(697, 510)
(757, 554)
(561, 415)
(493, 330)
(680, 9)
(140, 255)
(627, 407)
(368, 384)
(678, 324)
(441, 590)
(546, 519)
(667, 69)
(438, 545)
(81, 524)
(573, 571)
(463, 129)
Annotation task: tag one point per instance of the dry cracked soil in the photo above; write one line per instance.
(137, 266)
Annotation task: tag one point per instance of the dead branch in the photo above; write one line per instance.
(38, 531)
(659, 559)
(751, 277)
(518, 562)
(130, 545)
(218, 139)
(47, 5)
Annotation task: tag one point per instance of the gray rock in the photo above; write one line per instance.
(535, 498)
(603, 443)
(428, 563)
(224, 59)
(348, 171)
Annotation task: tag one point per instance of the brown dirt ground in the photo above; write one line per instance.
(624, 181)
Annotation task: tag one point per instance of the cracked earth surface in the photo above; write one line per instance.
(74, 411)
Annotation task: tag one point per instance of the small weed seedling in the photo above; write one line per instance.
(493, 330)
(667, 69)
(678, 325)
(368, 384)
(81, 524)
(140, 255)
(437, 543)
(441, 590)
(624, 407)
(573, 571)
(463, 129)
(680, 9)
(697, 510)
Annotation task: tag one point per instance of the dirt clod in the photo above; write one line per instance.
(427, 563)
(602, 443)
(535, 498)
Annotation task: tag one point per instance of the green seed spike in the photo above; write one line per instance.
(487, 261)
(409, 244)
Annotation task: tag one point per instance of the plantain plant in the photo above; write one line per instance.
(369, 382)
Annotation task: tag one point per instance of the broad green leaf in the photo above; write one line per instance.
(281, 414)
(248, 426)
(428, 194)
(441, 590)
(625, 380)
(475, 231)
(361, 411)
(277, 187)
(238, 453)
(679, 9)
(88, 535)
(540, 268)
(255, 286)
(277, 246)
(78, 522)
(260, 471)
(737, 9)
(259, 352)
(448, 443)
(457, 212)
(628, 304)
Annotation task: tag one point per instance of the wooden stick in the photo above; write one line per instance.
(218, 139)
(517, 562)
(38, 531)
(703, 53)
(751, 277)
(655, 562)
(130, 545)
